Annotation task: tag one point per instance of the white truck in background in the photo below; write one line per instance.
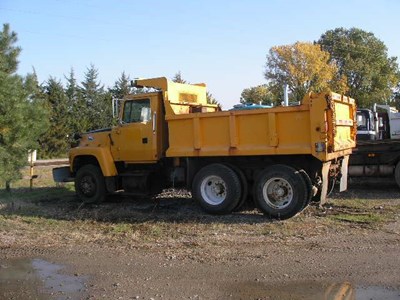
(377, 153)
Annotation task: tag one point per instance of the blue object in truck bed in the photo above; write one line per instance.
(249, 106)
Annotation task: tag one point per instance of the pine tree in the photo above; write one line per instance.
(77, 109)
(55, 142)
(121, 87)
(22, 117)
(178, 78)
(72, 89)
(98, 102)
(211, 99)
(8, 52)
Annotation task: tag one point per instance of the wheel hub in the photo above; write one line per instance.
(213, 190)
(87, 186)
(277, 193)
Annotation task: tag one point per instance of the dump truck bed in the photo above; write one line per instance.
(322, 126)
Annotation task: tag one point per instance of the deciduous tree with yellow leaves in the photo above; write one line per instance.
(304, 67)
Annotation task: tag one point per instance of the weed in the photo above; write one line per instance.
(367, 218)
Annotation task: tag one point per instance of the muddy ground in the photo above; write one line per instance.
(53, 247)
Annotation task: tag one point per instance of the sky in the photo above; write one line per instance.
(221, 43)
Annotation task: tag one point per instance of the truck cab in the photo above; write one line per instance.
(139, 137)
(380, 123)
(378, 143)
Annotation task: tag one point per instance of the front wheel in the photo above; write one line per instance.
(217, 188)
(90, 184)
(280, 191)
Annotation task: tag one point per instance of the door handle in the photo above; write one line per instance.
(154, 122)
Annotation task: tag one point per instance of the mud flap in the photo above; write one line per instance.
(325, 182)
(344, 172)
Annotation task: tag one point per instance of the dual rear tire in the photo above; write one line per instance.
(280, 191)
(217, 188)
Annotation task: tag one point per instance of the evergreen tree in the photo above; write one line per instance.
(98, 102)
(77, 109)
(22, 117)
(72, 89)
(121, 87)
(8, 52)
(55, 142)
(178, 78)
(211, 99)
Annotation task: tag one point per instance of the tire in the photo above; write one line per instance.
(280, 192)
(243, 184)
(217, 188)
(309, 187)
(90, 184)
(397, 174)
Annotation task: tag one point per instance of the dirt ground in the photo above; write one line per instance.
(53, 247)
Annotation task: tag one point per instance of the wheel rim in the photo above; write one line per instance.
(88, 186)
(278, 193)
(213, 190)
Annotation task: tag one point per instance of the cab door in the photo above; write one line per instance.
(135, 139)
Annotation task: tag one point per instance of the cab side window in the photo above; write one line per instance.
(137, 111)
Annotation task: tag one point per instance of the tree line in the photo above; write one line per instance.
(349, 61)
(45, 116)
(76, 108)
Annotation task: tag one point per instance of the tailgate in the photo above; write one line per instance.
(341, 120)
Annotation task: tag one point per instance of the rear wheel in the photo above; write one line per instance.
(217, 188)
(309, 187)
(397, 174)
(90, 184)
(280, 191)
(244, 186)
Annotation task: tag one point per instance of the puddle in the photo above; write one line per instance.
(38, 279)
(313, 290)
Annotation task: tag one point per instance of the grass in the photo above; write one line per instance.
(44, 188)
(367, 218)
(52, 216)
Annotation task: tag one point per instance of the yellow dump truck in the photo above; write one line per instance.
(282, 157)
